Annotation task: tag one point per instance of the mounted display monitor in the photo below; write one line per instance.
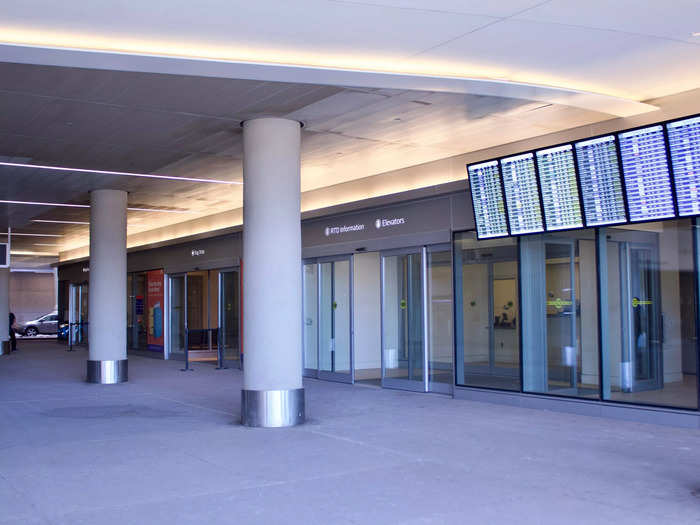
(684, 142)
(560, 198)
(4, 256)
(487, 200)
(601, 183)
(522, 194)
(645, 171)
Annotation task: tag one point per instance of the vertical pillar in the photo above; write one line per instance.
(4, 310)
(273, 395)
(107, 363)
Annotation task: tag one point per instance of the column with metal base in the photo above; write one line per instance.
(273, 395)
(4, 311)
(107, 363)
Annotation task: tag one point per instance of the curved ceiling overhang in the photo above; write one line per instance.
(154, 59)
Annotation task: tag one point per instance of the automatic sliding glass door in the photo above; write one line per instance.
(327, 319)
(640, 366)
(78, 313)
(403, 330)
(229, 315)
(178, 315)
(417, 314)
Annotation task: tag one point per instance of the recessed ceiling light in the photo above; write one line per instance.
(118, 173)
(32, 234)
(59, 222)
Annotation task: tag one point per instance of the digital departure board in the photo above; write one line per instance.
(522, 194)
(684, 142)
(487, 198)
(645, 171)
(601, 183)
(560, 198)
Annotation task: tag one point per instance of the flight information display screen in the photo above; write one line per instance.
(487, 198)
(522, 194)
(684, 142)
(645, 171)
(560, 198)
(601, 183)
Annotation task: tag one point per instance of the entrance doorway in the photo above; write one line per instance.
(205, 315)
(327, 330)
(417, 319)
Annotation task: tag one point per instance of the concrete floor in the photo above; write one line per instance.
(165, 449)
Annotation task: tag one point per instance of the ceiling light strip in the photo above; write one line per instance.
(32, 234)
(38, 203)
(118, 173)
(58, 222)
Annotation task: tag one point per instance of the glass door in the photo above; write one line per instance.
(404, 353)
(327, 319)
(562, 315)
(229, 315)
(640, 368)
(78, 313)
(178, 315)
(440, 319)
(310, 319)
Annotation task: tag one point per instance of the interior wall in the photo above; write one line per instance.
(367, 314)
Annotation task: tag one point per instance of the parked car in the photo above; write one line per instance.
(46, 324)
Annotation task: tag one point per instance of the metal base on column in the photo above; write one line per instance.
(272, 408)
(108, 372)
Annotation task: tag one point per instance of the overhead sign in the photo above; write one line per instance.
(416, 217)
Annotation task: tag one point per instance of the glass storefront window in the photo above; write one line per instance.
(560, 314)
(487, 320)
(650, 346)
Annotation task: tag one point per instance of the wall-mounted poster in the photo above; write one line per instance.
(155, 300)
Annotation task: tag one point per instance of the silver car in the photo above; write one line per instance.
(46, 324)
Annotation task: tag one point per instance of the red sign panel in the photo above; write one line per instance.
(155, 303)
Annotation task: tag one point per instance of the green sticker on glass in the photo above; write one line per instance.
(403, 304)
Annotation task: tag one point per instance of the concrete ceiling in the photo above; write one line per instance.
(381, 85)
(190, 127)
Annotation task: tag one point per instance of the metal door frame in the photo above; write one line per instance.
(317, 372)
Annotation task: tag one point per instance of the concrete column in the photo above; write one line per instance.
(272, 394)
(107, 361)
(4, 310)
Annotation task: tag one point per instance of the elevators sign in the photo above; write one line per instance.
(155, 299)
(425, 216)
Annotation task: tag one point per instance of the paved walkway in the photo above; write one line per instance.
(165, 449)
